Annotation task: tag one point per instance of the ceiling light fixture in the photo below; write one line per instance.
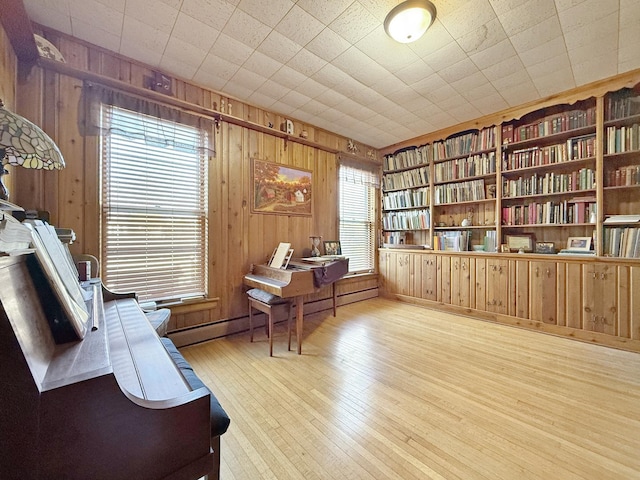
(408, 21)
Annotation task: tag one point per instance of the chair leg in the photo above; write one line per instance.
(289, 319)
(250, 322)
(270, 319)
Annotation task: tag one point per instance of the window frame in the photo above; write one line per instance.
(175, 270)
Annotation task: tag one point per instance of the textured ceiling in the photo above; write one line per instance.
(329, 62)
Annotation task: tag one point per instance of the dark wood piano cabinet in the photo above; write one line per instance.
(110, 406)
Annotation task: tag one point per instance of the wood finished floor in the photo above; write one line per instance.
(393, 391)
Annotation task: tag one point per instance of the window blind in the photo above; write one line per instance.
(154, 215)
(358, 190)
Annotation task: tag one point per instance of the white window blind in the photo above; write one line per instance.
(154, 215)
(358, 193)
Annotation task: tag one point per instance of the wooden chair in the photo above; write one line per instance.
(272, 306)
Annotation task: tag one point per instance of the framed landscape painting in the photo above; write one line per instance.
(280, 189)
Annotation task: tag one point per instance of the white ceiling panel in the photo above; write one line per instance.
(331, 63)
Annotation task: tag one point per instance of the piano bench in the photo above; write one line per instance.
(219, 419)
(269, 304)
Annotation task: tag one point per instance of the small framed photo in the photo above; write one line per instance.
(504, 248)
(580, 244)
(545, 247)
(332, 247)
(520, 242)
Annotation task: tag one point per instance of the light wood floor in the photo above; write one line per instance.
(393, 391)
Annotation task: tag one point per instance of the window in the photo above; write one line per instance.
(154, 211)
(358, 193)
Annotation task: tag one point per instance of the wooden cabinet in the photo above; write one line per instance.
(542, 292)
(599, 303)
(497, 285)
(429, 277)
(585, 298)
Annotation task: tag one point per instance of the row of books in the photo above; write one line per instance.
(395, 238)
(407, 179)
(623, 139)
(411, 157)
(623, 176)
(409, 220)
(622, 242)
(622, 104)
(549, 125)
(460, 192)
(576, 148)
(452, 240)
(466, 167)
(550, 182)
(406, 199)
(465, 144)
(548, 213)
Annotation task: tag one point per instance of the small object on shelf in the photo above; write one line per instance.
(315, 243)
(524, 242)
(545, 247)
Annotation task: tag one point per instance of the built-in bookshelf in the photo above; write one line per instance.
(406, 197)
(548, 175)
(552, 174)
(621, 174)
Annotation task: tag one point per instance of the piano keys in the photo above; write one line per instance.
(110, 406)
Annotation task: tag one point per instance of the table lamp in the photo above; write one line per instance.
(24, 144)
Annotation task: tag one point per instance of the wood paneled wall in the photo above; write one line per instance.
(237, 238)
(8, 79)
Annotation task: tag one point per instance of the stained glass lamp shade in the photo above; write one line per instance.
(24, 144)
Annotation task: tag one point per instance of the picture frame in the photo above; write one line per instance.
(280, 189)
(579, 244)
(545, 247)
(521, 241)
(504, 248)
(332, 247)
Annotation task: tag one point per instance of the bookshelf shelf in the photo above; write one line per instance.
(401, 209)
(540, 196)
(468, 202)
(465, 155)
(411, 167)
(488, 176)
(550, 139)
(547, 225)
(470, 227)
(566, 165)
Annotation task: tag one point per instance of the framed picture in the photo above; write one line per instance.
(504, 248)
(581, 244)
(332, 248)
(522, 241)
(279, 189)
(545, 247)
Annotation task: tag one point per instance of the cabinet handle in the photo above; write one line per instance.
(603, 276)
(604, 321)
(464, 266)
(594, 319)
(548, 273)
(537, 272)
(595, 275)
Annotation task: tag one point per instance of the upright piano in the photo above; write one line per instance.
(298, 280)
(110, 406)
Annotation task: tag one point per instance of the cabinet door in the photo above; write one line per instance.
(542, 296)
(429, 277)
(444, 279)
(497, 286)
(599, 306)
(404, 273)
(460, 281)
